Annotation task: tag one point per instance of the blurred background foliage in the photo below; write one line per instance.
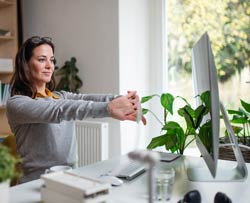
(228, 25)
(68, 77)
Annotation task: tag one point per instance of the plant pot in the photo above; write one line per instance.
(227, 153)
(4, 191)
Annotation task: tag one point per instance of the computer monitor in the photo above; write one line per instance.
(205, 79)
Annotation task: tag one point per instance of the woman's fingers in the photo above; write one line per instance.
(144, 121)
(131, 94)
(126, 107)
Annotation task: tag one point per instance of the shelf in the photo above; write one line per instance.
(6, 72)
(5, 3)
(5, 38)
(8, 49)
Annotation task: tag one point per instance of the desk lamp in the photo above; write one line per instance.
(151, 158)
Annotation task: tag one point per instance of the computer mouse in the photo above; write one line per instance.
(114, 181)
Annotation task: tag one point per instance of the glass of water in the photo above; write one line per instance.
(164, 184)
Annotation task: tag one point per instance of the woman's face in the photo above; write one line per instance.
(41, 65)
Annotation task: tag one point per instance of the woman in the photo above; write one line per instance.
(41, 118)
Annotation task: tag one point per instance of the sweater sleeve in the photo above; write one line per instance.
(86, 97)
(25, 110)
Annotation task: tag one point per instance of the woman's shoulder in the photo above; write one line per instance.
(17, 99)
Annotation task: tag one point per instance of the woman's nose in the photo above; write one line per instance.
(49, 64)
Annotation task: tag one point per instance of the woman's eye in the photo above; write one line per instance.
(41, 60)
(53, 61)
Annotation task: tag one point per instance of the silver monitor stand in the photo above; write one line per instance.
(238, 173)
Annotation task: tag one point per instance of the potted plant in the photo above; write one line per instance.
(240, 121)
(8, 171)
(68, 74)
(174, 136)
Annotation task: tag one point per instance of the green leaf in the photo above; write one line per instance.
(147, 98)
(144, 111)
(173, 149)
(200, 111)
(205, 135)
(191, 130)
(234, 112)
(177, 134)
(206, 99)
(157, 141)
(183, 100)
(171, 126)
(239, 120)
(171, 140)
(245, 105)
(245, 113)
(167, 101)
(188, 113)
(237, 129)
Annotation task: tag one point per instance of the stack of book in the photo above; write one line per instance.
(65, 187)
(4, 32)
(4, 93)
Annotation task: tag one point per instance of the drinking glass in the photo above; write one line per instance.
(164, 184)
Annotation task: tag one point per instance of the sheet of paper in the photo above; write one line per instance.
(138, 113)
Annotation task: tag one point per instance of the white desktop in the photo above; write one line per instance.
(191, 173)
(136, 190)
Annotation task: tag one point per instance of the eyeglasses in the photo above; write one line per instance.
(37, 39)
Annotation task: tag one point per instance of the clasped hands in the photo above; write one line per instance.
(125, 107)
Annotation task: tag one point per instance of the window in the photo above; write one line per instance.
(227, 23)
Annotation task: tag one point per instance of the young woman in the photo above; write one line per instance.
(42, 119)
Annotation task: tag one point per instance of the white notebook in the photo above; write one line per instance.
(77, 187)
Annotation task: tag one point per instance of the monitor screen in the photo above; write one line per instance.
(205, 80)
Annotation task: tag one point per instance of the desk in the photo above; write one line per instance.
(136, 190)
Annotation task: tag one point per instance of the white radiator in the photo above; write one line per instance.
(92, 141)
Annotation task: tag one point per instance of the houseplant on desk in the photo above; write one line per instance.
(8, 171)
(240, 122)
(174, 136)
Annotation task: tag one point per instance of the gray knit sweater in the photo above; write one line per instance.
(44, 128)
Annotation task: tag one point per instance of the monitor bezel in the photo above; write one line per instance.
(202, 58)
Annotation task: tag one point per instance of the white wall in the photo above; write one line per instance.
(86, 29)
(134, 62)
(113, 41)
(141, 64)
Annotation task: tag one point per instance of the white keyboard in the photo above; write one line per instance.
(130, 170)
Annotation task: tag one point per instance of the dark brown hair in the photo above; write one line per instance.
(21, 83)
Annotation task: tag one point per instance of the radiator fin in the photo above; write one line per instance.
(92, 142)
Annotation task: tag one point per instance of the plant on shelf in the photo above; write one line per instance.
(174, 136)
(69, 79)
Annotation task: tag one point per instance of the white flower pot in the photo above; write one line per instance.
(4, 191)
